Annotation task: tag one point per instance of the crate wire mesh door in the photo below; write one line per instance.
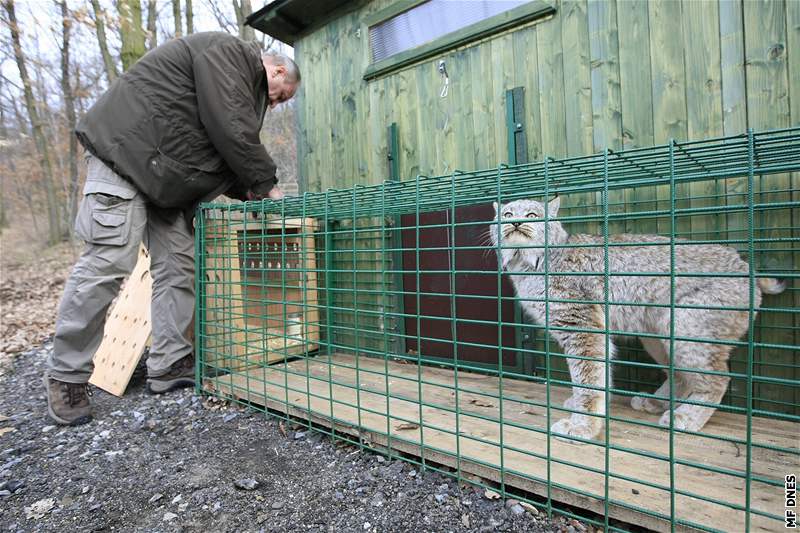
(331, 338)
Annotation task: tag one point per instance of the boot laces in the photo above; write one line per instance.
(75, 393)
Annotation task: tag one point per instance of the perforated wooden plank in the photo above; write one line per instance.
(126, 332)
(638, 488)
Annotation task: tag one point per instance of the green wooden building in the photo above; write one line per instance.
(396, 89)
(372, 304)
(593, 74)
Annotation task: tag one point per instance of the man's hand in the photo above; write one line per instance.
(274, 194)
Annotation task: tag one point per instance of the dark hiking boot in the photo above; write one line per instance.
(180, 374)
(68, 403)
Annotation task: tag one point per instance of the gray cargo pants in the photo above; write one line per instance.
(113, 219)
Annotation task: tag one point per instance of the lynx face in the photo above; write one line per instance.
(525, 223)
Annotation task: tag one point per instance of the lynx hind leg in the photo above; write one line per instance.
(705, 388)
(657, 349)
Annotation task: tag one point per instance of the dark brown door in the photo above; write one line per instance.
(475, 291)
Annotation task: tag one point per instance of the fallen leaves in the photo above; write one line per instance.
(30, 293)
(492, 495)
(406, 426)
(3, 431)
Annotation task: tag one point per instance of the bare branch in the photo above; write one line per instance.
(108, 61)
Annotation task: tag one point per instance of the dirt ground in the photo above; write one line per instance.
(182, 462)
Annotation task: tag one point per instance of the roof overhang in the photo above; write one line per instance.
(287, 20)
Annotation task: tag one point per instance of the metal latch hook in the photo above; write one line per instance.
(446, 85)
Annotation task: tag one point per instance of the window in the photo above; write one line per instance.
(411, 31)
(430, 20)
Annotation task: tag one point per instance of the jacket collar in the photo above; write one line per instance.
(260, 85)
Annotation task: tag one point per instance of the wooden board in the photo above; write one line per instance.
(575, 472)
(126, 332)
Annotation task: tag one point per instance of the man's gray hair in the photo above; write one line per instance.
(274, 58)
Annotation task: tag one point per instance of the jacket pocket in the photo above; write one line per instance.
(179, 185)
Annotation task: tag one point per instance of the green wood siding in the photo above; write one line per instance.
(598, 74)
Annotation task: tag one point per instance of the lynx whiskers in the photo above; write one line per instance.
(579, 327)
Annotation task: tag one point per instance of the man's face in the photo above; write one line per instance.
(281, 88)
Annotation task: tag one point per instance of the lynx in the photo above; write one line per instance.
(583, 323)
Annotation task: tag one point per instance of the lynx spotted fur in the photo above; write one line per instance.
(526, 267)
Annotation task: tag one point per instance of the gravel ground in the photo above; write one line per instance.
(180, 462)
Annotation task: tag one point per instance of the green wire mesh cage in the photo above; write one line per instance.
(449, 322)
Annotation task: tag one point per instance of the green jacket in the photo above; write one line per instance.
(183, 123)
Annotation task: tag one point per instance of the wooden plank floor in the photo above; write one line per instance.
(639, 480)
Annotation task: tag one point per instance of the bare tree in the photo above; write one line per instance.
(4, 177)
(176, 15)
(152, 32)
(224, 21)
(22, 126)
(53, 215)
(100, 26)
(243, 8)
(131, 31)
(189, 17)
(69, 111)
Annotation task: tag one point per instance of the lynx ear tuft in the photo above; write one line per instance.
(495, 207)
(553, 205)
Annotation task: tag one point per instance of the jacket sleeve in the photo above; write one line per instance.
(237, 191)
(228, 113)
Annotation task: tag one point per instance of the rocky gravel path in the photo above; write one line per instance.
(181, 462)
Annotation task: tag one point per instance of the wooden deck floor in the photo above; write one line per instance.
(639, 484)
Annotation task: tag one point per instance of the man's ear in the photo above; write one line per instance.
(553, 205)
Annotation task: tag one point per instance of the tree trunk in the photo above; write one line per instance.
(189, 18)
(100, 25)
(131, 32)
(53, 216)
(4, 178)
(22, 125)
(152, 32)
(176, 15)
(69, 112)
(243, 8)
(80, 94)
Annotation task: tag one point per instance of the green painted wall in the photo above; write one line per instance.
(600, 73)
(597, 74)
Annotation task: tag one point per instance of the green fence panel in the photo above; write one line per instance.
(384, 317)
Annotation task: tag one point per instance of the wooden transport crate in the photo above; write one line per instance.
(260, 296)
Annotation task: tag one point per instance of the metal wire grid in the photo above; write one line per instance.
(360, 262)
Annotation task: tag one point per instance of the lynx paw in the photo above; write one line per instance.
(649, 405)
(682, 421)
(574, 426)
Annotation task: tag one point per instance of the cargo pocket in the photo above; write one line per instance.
(104, 219)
